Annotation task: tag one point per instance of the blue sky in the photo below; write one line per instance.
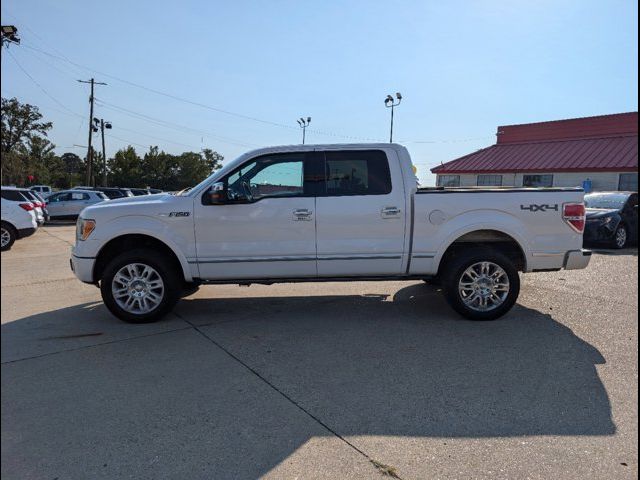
(463, 67)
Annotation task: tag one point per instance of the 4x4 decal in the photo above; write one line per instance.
(539, 208)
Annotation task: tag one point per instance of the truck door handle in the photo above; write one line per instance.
(390, 212)
(302, 214)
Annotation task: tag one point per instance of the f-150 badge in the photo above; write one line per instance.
(175, 214)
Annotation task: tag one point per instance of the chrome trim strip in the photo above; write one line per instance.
(364, 257)
(252, 260)
(296, 259)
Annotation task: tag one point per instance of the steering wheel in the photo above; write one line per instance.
(247, 191)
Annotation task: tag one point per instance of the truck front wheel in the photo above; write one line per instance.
(481, 284)
(140, 286)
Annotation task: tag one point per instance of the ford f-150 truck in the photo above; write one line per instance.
(315, 213)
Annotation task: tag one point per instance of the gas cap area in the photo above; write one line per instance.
(437, 217)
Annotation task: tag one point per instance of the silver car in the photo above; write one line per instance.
(69, 203)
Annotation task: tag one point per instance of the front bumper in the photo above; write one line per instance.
(577, 259)
(82, 267)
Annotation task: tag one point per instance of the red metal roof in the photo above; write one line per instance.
(604, 143)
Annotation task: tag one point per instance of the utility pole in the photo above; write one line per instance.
(390, 103)
(91, 130)
(303, 125)
(103, 125)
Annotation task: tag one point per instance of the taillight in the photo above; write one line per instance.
(27, 206)
(575, 215)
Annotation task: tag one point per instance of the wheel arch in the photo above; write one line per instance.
(129, 241)
(490, 237)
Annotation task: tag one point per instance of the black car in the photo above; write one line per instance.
(612, 218)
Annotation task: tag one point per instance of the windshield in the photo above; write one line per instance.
(613, 201)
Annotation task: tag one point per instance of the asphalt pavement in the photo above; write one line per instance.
(328, 380)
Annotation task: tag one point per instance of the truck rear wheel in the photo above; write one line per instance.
(140, 286)
(481, 284)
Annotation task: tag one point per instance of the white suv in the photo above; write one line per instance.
(18, 217)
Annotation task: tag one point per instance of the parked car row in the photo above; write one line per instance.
(111, 192)
(22, 214)
(24, 210)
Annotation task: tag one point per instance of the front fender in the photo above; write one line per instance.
(176, 233)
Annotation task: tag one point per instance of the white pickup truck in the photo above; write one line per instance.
(316, 213)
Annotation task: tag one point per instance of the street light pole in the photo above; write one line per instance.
(389, 102)
(304, 123)
(104, 125)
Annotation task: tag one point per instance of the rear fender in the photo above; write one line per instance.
(475, 220)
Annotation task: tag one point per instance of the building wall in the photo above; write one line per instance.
(600, 180)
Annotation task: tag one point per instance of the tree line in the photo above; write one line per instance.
(29, 158)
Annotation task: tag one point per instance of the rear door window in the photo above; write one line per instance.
(357, 172)
(13, 195)
(79, 196)
(60, 197)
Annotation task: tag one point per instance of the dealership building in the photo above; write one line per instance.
(600, 153)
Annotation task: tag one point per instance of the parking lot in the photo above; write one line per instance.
(332, 380)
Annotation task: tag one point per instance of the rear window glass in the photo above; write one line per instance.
(113, 194)
(357, 172)
(102, 196)
(13, 195)
(28, 194)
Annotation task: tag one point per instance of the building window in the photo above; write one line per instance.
(489, 180)
(448, 180)
(628, 182)
(537, 181)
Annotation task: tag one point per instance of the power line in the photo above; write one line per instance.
(171, 125)
(62, 57)
(199, 104)
(156, 138)
(40, 86)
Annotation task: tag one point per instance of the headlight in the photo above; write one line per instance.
(84, 227)
(606, 220)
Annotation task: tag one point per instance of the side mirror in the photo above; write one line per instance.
(217, 194)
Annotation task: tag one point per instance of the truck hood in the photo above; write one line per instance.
(137, 199)
(159, 204)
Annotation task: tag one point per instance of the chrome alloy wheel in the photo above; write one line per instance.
(484, 286)
(5, 237)
(137, 288)
(621, 237)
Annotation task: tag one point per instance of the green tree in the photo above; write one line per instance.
(38, 158)
(19, 123)
(125, 169)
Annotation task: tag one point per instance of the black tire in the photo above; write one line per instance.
(455, 268)
(165, 269)
(615, 242)
(7, 229)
